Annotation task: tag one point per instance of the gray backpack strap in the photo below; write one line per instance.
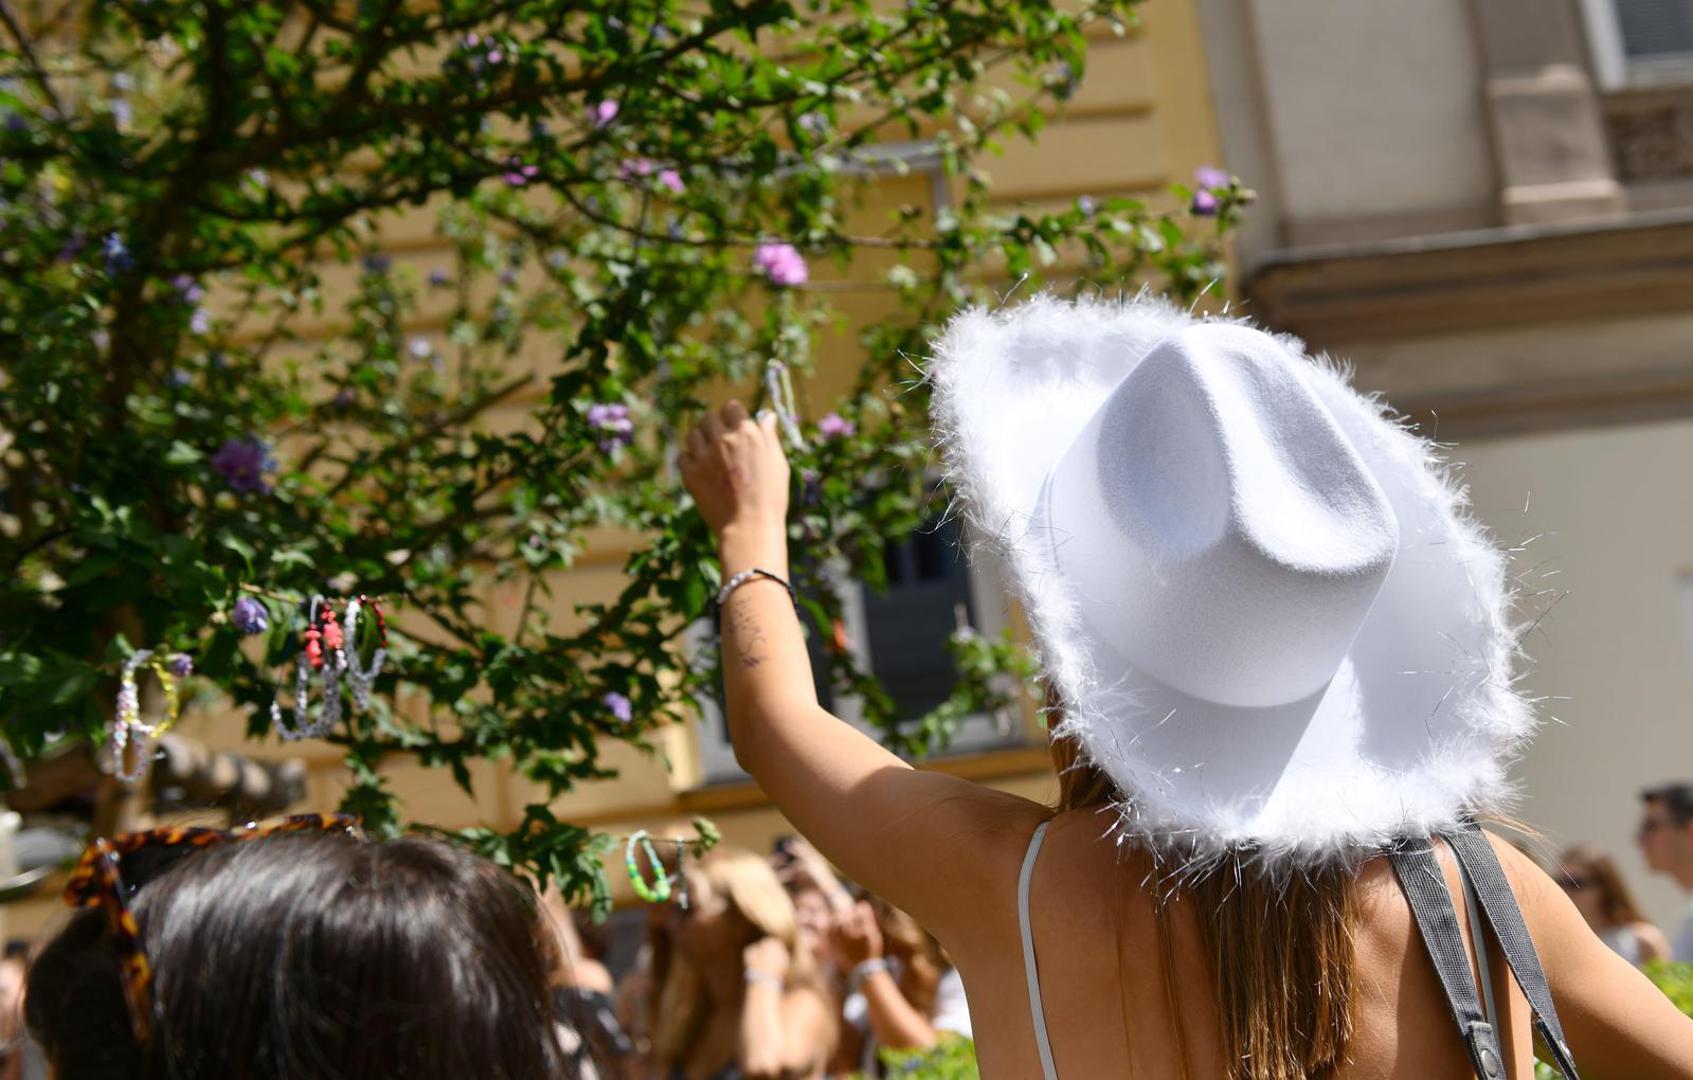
(1480, 862)
(1425, 888)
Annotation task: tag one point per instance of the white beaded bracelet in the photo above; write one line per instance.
(753, 975)
(747, 575)
(865, 969)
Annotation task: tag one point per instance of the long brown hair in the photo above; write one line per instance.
(761, 904)
(922, 961)
(1280, 949)
(1620, 907)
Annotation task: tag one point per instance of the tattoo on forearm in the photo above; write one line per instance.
(749, 637)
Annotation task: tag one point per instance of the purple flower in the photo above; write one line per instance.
(835, 426)
(188, 289)
(811, 487)
(1204, 204)
(1064, 82)
(671, 179)
(182, 665)
(781, 263)
(439, 278)
(472, 40)
(377, 263)
(603, 113)
(495, 56)
(421, 349)
(243, 463)
(612, 421)
(518, 174)
(619, 706)
(16, 123)
(250, 616)
(1086, 205)
(118, 258)
(1211, 177)
(200, 322)
(634, 167)
(815, 124)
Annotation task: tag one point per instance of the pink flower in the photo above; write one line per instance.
(671, 179)
(519, 174)
(835, 426)
(495, 56)
(781, 263)
(635, 167)
(603, 113)
(1204, 204)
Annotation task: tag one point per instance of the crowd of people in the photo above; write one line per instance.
(1590, 878)
(773, 966)
(317, 952)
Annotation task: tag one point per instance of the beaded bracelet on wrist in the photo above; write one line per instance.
(749, 574)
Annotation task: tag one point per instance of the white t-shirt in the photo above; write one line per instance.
(952, 1011)
(1682, 950)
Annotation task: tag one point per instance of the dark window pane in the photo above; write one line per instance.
(909, 624)
(1656, 27)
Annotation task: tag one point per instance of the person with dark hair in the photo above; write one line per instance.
(1279, 658)
(1666, 839)
(1594, 884)
(307, 952)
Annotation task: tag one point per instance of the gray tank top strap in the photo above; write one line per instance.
(1479, 934)
(1036, 1013)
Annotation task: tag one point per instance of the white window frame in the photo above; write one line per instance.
(1612, 67)
(975, 733)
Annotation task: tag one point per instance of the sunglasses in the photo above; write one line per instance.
(1650, 826)
(114, 869)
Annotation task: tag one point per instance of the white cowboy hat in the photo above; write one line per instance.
(1259, 597)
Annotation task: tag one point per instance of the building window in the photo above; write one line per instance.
(1640, 42)
(900, 635)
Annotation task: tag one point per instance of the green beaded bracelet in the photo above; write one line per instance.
(659, 891)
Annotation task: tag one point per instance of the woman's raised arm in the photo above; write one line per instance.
(897, 830)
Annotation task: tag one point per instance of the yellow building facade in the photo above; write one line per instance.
(1140, 120)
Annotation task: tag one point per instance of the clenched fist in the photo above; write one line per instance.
(736, 471)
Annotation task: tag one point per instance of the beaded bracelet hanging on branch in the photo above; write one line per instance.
(665, 883)
(329, 654)
(128, 731)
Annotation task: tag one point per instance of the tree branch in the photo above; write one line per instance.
(36, 72)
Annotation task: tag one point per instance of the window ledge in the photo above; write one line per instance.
(1019, 760)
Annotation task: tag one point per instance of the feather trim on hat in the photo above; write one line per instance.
(1028, 376)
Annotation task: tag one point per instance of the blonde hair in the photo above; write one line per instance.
(755, 896)
(1280, 950)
